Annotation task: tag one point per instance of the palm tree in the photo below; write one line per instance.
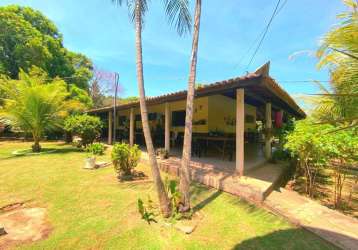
(178, 13)
(186, 157)
(339, 52)
(33, 105)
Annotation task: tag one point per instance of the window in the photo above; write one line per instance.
(152, 116)
(178, 118)
(138, 118)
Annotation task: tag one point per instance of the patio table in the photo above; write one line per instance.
(223, 139)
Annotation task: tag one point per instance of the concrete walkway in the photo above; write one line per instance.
(333, 226)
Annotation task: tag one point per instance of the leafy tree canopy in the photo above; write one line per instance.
(28, 38)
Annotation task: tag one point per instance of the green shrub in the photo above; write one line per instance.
(95, 148)
(87, 127)
(125, 158)
(308, 142)
(316, 146)
(280, 155)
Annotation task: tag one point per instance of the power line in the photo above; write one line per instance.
(265, 33)
(258, 37)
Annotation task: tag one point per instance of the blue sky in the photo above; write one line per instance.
(103, 32)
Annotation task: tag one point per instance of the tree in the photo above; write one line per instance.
(85, 126)
(186, 157)
(338, 104)
(318, 146)
(80, 95)
(311, 145)
(101, 83)
(33, 105)
(29, 39)
(178, 13)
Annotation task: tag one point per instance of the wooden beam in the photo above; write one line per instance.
(240, 129)
(268, 126)
(131, 127)
(167, 127)
(110, 127)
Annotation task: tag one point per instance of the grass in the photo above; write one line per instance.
(90, 209)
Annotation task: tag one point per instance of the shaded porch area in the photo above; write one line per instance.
(213, 160)
(258, 182)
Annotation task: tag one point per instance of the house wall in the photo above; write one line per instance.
(200, 112)
(222, 114)
(218, 112)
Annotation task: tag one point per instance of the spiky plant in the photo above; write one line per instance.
(34, 106)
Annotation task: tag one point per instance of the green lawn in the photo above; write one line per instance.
(92, 210)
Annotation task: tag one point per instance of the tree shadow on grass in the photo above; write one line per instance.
(199, 193)
(67, 150)
(298, 238)
(51, 151)
(206, 201)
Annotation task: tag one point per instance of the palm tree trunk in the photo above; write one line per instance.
(36, 147)
(162, 194)
(186, 157)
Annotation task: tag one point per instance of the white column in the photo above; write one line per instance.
(110, 127)
(268, 123)
(240, 129)
(131, 127)
(167, 127)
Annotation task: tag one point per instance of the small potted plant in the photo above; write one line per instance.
(93, 150)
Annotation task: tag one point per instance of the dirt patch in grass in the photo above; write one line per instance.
(24, 225)
(324, 191)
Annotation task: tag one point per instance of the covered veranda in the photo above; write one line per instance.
(237, 146)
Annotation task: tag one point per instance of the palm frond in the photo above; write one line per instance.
(178, 14)
(142, 5)
(339, 53)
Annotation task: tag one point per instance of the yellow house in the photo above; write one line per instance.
(230, 112)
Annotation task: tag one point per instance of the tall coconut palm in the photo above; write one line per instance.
(339, 52)
(34, 106)
(186, 157)
(178, 13)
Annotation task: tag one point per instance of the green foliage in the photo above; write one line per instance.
(145, 212)
(95, 148)
(125, 158)
(85, 126)
(317, 145)
(33, 106)
(174, 195)
(286, 128)
(80, 95)
(108, 100)
(28, 38)
(280, 155)
(339, 53)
